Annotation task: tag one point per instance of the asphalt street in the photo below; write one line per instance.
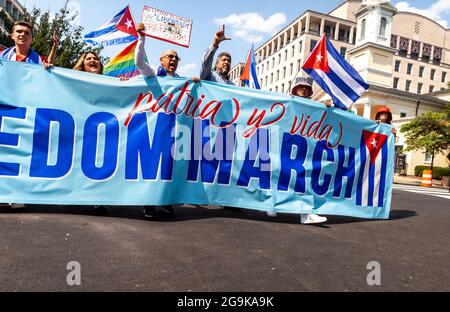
(212, 249)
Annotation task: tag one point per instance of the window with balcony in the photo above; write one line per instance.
(415, 49)
(404, 44)
(394, 39)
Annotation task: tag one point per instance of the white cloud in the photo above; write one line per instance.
(251, 26)
(187, 70)
(434, 12)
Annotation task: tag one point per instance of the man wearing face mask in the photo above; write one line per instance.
(220, 73)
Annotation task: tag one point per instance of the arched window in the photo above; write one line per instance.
(363, 29)
(383, 23)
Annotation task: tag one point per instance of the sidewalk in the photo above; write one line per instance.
(413, 180)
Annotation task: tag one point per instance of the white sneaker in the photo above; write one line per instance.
(311, 218)
(272, 214)
(17, 206)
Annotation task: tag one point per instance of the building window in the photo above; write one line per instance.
(299, 65)
(279, 59)
(282, 88)
(409, 69)
(408, 85)
(284, 72)
(363, 29)
(278, 75)
(421, 69)
(415, 49)
(293, 50)
(395, 86)
(276, 89)
(313, 45)
(291, 69)
(426, 52)
(397, 66)
(404, 44)
(300, 46)
(383, 23)
(271, 78)
(285, 55)
(403, 115)
(431, 89)
(394, 39)
(433, 71)
(437, 55)
(419, 87)
(444, 76)
(343, 51)
(428, 157)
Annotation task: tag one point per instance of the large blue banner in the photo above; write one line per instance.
(69, 137)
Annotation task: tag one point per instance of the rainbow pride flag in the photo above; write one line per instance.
(123, 64)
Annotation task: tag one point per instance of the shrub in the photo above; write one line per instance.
(438, 172)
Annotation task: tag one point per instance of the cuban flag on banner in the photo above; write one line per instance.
(334, 74)
(248, 76)
(372, 179)
(121, 29)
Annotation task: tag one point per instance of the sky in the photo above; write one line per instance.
(247, 22)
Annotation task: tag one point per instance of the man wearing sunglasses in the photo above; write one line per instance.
(169, 59)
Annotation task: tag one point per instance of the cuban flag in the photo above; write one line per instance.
(248, 76)
(121, 29)
(373, 163)
(334, 75)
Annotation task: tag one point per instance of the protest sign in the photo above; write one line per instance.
(166, 26)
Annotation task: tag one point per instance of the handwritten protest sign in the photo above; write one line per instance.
(167, 27)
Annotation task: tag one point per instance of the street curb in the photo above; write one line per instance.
(419, 184)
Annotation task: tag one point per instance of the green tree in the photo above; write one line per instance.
(71, 43)
(430, 132)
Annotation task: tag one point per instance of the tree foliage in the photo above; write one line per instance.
(430, 132)
(71, 44)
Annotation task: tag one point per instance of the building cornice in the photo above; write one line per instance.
(300, 17)
(372, 44)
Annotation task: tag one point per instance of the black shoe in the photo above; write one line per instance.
(101, 210)
(167, 210)
(233, 209)
(149, 212)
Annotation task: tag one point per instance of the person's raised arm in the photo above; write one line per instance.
(143, 67)
(208, 57)
(52, 55)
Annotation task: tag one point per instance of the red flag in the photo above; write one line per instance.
(318, 59)
(374, 142)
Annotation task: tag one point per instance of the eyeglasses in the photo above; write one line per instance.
(172, 57)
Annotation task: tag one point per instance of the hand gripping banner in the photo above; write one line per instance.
(69, 137)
